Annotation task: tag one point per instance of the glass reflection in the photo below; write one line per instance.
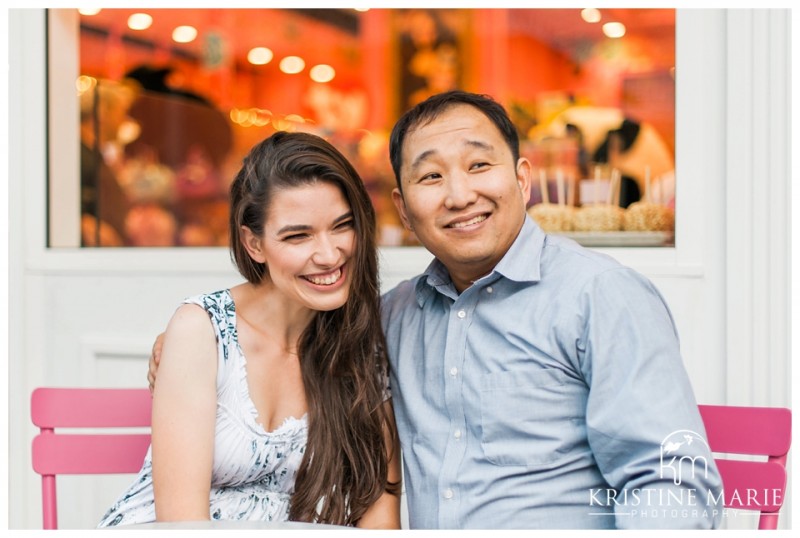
(165, 124)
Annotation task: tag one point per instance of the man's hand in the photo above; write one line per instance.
(155, 357)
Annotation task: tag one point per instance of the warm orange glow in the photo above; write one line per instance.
(561, 68)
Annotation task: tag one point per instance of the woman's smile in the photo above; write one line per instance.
(328, 279)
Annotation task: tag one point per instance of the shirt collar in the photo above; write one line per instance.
(521, 264)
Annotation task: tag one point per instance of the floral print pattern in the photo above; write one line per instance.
(254, 470)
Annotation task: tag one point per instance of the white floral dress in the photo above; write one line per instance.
(254, 471)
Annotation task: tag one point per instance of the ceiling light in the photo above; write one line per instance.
(614, 29)
(259, 56)
(184, 34)
(322, 73)
(88, 11)
(292, 65)
(140, 21)
(590, 14)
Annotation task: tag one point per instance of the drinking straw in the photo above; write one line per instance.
(543, 186)
(596, 184)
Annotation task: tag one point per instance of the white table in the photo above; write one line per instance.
(229, 525)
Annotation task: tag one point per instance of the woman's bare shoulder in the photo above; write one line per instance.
(191, 328)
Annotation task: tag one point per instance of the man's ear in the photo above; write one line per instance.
(252, 243)
(524, 173)
(400, 204)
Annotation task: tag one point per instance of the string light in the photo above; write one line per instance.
(614, 29)
(184, 34)
(292, 65)
(140, 21)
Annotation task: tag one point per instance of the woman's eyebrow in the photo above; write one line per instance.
(289, 228)
(294, 228)
(344, 217)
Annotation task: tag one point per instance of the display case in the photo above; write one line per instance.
(165, 119)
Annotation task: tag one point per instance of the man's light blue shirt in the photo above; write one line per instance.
(543, 397)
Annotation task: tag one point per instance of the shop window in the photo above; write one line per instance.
(165, 118)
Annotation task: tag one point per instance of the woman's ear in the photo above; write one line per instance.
(252, 243)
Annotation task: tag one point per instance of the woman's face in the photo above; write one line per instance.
(309, 239)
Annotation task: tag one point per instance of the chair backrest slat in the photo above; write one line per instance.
(55, 453)
(751, 485)
(89, 454)
(748, 430)
(751, 431)
(86, 408)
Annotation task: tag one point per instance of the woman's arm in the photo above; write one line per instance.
(184, 416)
(385, 512)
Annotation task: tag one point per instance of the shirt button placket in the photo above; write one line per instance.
(454, 447)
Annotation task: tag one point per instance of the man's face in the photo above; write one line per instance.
(463, 194)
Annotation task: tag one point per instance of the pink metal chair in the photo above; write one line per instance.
(758, 431)
(57, 453)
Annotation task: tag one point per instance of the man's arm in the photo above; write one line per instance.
(642, 419)
(155, 358)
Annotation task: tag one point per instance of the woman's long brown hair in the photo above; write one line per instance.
(342, 351)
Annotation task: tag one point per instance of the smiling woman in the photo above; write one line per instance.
(287, 384)
(210, 83)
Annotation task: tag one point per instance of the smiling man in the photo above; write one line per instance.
(535, 382)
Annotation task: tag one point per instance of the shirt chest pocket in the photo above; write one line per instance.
(533, 418)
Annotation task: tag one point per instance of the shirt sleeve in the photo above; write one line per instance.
(642, 420)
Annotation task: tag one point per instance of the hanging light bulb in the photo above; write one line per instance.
(140, 21)
(259, 56)
(292, 65)
(614, 29)
(184, 34)
(590, 15)
(322, 73)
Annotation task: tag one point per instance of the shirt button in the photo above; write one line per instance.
(489, 289)
(462, 314)
(457, 434)
(453, 371)
(448, 493)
